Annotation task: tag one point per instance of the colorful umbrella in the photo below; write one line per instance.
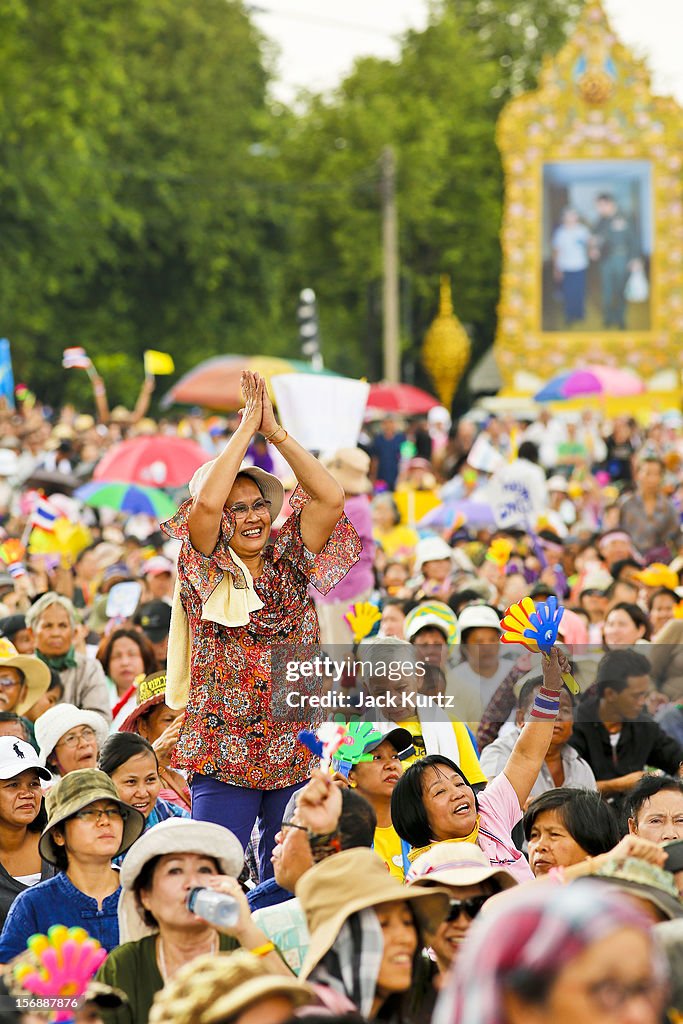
(130, 498)
(215, 383)
(156, 461)
(402, 398)
(476, 514)
(592, 380)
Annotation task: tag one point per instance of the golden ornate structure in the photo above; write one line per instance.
(593, 104)
(446, 347)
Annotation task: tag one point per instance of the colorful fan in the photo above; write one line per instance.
(12, 553)
(536, 628)
(61, 964)
(499, 551)
(362, 618)
(358, 735)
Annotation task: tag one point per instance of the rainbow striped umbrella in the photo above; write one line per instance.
(130, 498)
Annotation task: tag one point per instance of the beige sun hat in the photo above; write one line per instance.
(331, 891)
(175, 835)
(350, 468)
(268, 484)
(455, 864)
(36, 673)
(216, 988)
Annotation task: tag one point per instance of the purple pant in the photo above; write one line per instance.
(237, 808)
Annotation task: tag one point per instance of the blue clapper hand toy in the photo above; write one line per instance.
(536, 627)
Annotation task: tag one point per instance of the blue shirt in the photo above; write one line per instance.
(58, 901)
(267, 894)
(162, 810)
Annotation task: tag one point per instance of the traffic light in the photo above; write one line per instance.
(307, 315)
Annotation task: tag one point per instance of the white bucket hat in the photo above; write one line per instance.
(60, 719)
(175, 835)
(431, 549)
(268, 484)
(478, 616)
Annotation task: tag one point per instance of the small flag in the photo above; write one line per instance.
(6, 374)
(44, 515)
(158, 364)
(16, 569)
(76, 359)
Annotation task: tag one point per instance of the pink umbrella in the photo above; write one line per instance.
(402, 398)
(591, 380)
(157, 461)
(617, 383)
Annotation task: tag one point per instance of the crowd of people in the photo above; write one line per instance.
(498, 837)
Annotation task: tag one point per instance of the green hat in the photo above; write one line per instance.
(76, 791)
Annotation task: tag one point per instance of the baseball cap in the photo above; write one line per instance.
(478, 616)
(155, 619)
(17, 756)
(157, 565)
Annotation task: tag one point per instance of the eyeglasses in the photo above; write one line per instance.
(290, 824)
(93, 814)
(74, 738)
(611, 996)
(241, 511)
(7, 682)
(471, 907)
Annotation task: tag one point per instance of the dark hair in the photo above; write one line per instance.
(616, 667)
(120, 747)
(528, 450)
(456, 602)
(11, 716)
(357, 821)
(104, 651)
(624, 563)
(605, 197)
(525, 694)
(394, 602)
(144, 882)
(609, 593)
(662, 592)
(590, 821)
(408, 811)
(635, 614)
(648, 786)
(55, 681)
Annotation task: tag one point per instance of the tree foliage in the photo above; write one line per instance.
(152, 196)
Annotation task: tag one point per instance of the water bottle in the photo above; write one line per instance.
(215, 907)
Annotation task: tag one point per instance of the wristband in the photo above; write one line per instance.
(546, 705)
(282, 439)
(263, 950)
(273, 432)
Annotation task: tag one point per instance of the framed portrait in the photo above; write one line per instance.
(592, 232)
(596, 255)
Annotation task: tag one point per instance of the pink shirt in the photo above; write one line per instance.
(499, 812)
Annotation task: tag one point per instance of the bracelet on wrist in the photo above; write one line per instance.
(263, 950)
(546, 705)
(281, 440)
(273, 432)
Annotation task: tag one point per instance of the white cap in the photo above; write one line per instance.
(156, 565)
(558, 483)
(478, 616)
(431, 549)
(56, 721)
(17, 756)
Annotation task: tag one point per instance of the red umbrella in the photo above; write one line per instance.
(157, 461)
(402, 398)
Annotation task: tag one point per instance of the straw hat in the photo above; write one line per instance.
(76, 791)
(36, 673)
(455, 864)
(218, 987)
(270, 487)
(150, 692)
(60, 719)
(175, 835)
(350, 468)
(331, 891)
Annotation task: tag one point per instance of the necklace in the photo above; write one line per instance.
(161, 956)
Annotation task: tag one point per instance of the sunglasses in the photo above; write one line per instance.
(471, 907)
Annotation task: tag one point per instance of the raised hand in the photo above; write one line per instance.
(362, 617)
(268, 422)
(252, 393)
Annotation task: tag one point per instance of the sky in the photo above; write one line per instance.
(320, 39)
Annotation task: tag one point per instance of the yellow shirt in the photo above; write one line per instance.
(398, 542)
(388, 847)
(469, 762)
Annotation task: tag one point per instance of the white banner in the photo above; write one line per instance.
(322, 413)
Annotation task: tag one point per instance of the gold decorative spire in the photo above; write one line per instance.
(446, 347)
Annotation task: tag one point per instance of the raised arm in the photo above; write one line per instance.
(321, 514)
(529, 751)
(207, 507)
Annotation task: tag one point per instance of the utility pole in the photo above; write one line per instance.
(390, 298)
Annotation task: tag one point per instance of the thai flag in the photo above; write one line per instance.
(16, 569)
(75, 359)
(44, 515)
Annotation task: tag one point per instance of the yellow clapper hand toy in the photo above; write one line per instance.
(536, 626)
(362, 619)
